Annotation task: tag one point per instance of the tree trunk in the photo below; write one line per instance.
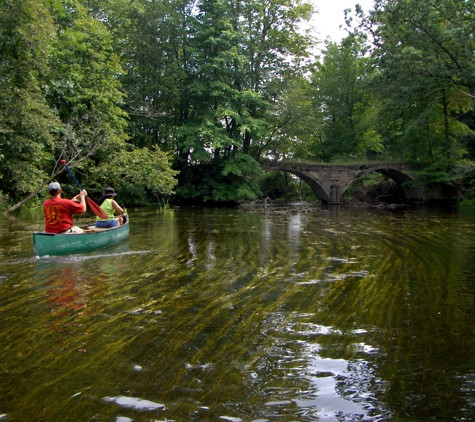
(446, 124)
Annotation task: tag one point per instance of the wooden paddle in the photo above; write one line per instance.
(96, 209)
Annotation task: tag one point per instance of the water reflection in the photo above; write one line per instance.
(228, 315)
(322, 388)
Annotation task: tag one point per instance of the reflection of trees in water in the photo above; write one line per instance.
(235, 311)
(390, 288)
(393, 297)
(415, 313)
(467, 289)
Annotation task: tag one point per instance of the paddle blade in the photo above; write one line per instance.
(96, 209)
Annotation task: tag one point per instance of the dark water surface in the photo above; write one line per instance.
(220, 314)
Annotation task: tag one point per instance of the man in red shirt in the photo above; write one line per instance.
(58, 211)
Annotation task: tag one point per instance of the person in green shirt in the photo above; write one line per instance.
(109, 206)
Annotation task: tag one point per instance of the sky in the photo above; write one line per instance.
(331, 16)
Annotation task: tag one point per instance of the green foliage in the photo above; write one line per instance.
(372, 188)
(202, 80)
(283, 186)
(347, 108)
(274, 185)
(84, 86)
(60, 93)
(26, 121)
(292, 125)
(164, 207)
(140, 176)
(425, 79)
(219, 85)
(230, 179)
(463, 174)
(467, 203)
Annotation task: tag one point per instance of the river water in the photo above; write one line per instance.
(228, 315)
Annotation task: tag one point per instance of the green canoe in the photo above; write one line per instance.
(93, 238)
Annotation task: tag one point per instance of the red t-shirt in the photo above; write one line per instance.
(58, 214)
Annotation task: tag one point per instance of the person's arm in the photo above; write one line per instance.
(81, 199)
(117, 207)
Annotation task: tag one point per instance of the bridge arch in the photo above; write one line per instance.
(317, 188)
(330, 181)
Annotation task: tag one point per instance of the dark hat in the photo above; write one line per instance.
(109, 192)
(55, 186)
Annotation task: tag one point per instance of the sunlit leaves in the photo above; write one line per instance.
(201, 77)
(138, 175)
(84, 87)
(345, 102)
(424, 52)
(26, 120)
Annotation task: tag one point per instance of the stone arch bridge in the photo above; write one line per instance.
(330, 181)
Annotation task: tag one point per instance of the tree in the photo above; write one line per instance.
(27, 123)
(140, 175)
(246, 55)
(204, 77)
(293, 126)
(152, 40)
(83, 86)
(426, 78)
(66, 99)
(345, 103)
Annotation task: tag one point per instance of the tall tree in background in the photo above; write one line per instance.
(201, 80)
(223, 110)
(27, 123)
(426, 78)
(151, 38)
(293, 124)
(346, 105)
(83, 86)
(241, 53)
(277, 53)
